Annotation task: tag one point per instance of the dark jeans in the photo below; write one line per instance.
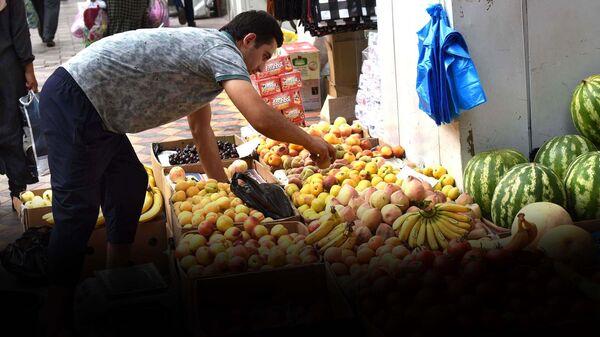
(90, 167)
(188, 7)
(47, 11)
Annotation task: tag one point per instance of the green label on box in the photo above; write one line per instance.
(300, 61)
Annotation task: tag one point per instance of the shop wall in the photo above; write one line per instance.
(530, 55)
(425, 143)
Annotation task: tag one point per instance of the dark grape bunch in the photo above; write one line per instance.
(227, 150)
(189, 155)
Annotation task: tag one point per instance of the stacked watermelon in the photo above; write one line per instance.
(523, 185)
(585, 108)
(559, 152)
(582, 183)
(483, 172)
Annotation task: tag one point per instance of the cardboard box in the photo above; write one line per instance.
(157, 167)
(32, 217)
(176, 231)
(305, 58)
(149, 246)
(344, 52)
(311, 94)
(335, 107)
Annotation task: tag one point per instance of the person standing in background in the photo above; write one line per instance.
(47, 11)
(185, 12)
(125, 15)
(16, 67)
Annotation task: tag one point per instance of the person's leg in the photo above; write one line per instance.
(51, 12)
(38, 5)
(180, 12)
(79, 152)
(11, 126)
(189, 13)
(122, 206)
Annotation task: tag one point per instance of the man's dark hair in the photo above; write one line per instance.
(260, 23)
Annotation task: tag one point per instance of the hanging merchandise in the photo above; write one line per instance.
(368, 96)
(323, 17)
(447, 81)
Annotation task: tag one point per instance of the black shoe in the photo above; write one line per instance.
(50, 44)
(192, 24)
(181, 16)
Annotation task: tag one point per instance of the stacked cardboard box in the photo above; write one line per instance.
(305, 58)
(279, 86)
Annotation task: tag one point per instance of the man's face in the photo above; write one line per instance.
(254, 57)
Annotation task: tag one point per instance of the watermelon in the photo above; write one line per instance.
(582, 184)
(522, 185)
(483, 172)
(585, 108)
(559, 152)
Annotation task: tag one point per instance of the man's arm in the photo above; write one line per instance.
(206, 143)
(272, 124)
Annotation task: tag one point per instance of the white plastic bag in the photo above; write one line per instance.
(34, 141)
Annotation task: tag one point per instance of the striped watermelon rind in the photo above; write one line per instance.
(484, 170)
(522, 185)
(559, 152)
(585, 108)
(582, 184)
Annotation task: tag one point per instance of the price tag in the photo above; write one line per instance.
(246, 149)
(281, 177)
(163, 157)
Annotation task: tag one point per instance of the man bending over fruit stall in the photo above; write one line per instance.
(131, 82)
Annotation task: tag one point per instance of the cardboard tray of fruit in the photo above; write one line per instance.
(170, 146)
(31, 212)
(254, 168)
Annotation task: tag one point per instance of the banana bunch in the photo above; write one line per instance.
(327, 223)
(153, 204)
(341, 236)
(433, 228)
(151, 180)
(49, 218)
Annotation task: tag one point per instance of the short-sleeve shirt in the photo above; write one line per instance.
(142, 79)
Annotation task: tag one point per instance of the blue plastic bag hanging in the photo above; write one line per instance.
(447, 81)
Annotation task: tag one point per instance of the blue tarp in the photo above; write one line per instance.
(447, 81)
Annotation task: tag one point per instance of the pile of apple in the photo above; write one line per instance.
(31, 200)
(250, 247)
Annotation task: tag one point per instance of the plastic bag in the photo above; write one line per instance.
(26, 258)
(158, 14)
(269, 199)
(34, 140)
(90, 22)
(447, 81)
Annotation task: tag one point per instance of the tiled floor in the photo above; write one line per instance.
(226, 118)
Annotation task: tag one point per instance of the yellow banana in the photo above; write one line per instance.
(441, 239)
(449, 207)
(156, 206)
(339, 228)
(450, 231)
(402, 219)
(412, 237)
(49, 218)
(149, 170)
(350, 241)
(148, 199)
(407, 226)
(422, 232)
(328, 221)
(431, 240)
(335, 242)
(100, 221)
(151, 181)
(455, 216)
(463, 225)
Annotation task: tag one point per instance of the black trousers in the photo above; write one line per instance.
(90, 167)
(13, 162)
